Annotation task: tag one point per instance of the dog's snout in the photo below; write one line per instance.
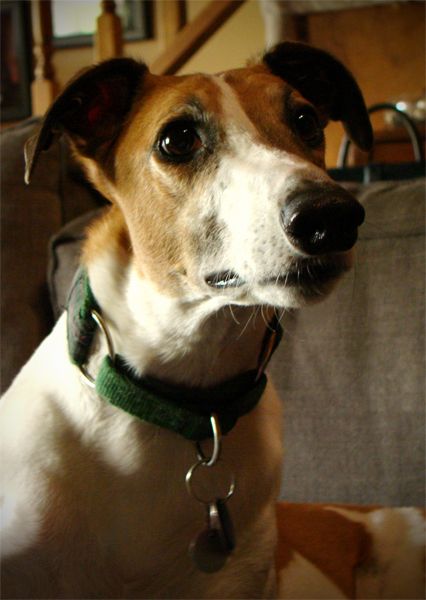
(320, 221)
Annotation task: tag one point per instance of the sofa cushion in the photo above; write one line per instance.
(30, 215)
(350, 370)
(64, 257)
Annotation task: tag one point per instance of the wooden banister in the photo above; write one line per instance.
(171, 18)
(108, 42)
(43, 88)
(194, 35)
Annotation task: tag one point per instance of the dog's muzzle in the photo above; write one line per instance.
(322, 220)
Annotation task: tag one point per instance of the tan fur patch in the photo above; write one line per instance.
(109, 231)
(335, 545)
(150, 195)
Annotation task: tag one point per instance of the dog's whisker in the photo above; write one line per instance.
(281, 312)
(250, 317)
(262, 314)
(233, 315)
(265, 318)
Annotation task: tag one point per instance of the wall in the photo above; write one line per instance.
(382, 45)
(241, 38)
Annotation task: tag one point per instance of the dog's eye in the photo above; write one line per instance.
(308, 127)
(179, 141)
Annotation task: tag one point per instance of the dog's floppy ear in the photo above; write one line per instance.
(91, 109)
(325, 82)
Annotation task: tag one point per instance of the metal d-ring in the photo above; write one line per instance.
(100, 322)
(217, 444)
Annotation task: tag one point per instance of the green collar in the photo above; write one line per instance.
(184, 410)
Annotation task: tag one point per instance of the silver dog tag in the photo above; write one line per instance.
(211, 548)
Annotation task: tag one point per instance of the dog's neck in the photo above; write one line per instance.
(184, 341)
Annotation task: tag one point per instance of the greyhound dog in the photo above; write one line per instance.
(141, 443)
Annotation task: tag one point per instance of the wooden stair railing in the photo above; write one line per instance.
(194, 35)
(44, 87)
(109, 38)
(109, 41)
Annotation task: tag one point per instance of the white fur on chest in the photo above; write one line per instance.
(100, 497)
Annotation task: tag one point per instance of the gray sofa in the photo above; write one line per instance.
(30, 216)
(350, 370)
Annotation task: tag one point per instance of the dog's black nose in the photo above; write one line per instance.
(322, 220)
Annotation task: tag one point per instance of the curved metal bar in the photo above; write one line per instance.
(408, 122)
(100, 322)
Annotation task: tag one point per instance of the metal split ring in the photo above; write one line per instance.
(198, 497)
(100, 322)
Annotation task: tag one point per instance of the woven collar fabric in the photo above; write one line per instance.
(184, 410)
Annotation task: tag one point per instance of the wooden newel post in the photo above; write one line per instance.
(109, 34)
(44, 87)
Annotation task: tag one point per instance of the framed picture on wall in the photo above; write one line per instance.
(74, 23)
(15, 93)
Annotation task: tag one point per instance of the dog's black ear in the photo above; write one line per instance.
(91, 109)
(325, 82)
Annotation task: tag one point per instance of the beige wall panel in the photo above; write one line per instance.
(239, 39)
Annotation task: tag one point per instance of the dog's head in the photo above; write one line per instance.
(220, 179)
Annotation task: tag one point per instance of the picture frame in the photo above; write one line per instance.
(16, 60)
(136, 17)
